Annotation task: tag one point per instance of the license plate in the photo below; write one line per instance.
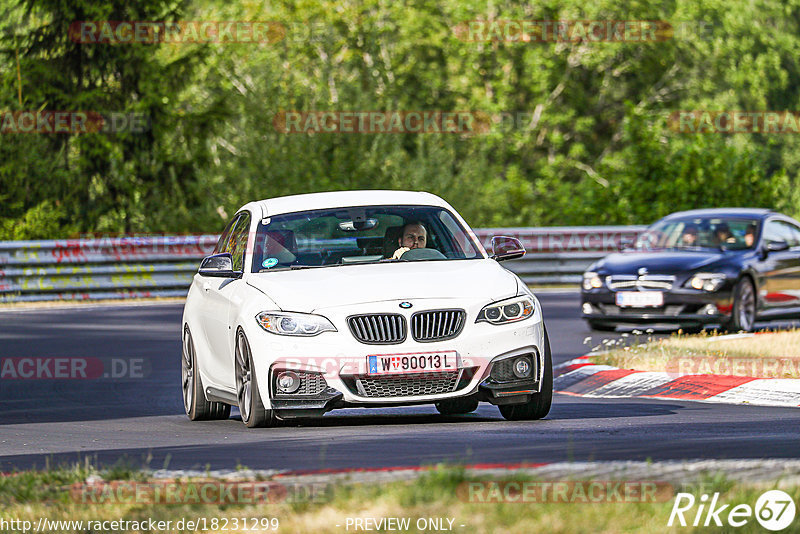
(640, 299)
(415, 362)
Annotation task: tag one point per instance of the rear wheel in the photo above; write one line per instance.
(456, 406)
(197, 407)
(539, 405)
(743, 317)
(250, 405)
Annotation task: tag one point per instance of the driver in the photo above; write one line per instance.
(414, 235)
(689, 237)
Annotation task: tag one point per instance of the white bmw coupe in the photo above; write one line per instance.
(360, 299)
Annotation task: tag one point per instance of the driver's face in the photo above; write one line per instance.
(414, 236)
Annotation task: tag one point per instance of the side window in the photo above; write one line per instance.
(237, 244)
(223, 239)
(795, 235)
(781, 231)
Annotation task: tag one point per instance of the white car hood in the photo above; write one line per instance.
(308, 290)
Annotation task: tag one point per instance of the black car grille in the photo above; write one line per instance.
(408, 385)
(378, 328)
(647, 281)
(437, 325)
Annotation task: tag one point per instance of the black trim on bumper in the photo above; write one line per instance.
(306, 406)
(515, 392)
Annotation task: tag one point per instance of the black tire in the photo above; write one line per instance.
(539, 405)
(743, 316)
(457, 406)
(254, 415)
(197, 407)
(601, 327)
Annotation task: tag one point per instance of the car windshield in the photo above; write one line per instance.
(369, 234)
(723, 233)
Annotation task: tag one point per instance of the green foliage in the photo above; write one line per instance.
(596, 147)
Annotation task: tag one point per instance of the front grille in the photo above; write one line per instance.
(437, 325)
(611, 309)
(407, 385)
(378, 328)
(647, 281)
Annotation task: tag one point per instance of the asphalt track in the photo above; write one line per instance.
(139, 420)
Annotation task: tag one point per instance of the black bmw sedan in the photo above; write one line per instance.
(731, 267)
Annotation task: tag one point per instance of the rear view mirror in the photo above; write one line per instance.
(219, 266)
(506, 248)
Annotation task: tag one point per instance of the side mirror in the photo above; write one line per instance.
(219, 266)
(626, 242)
(506, 248)
(777, 246)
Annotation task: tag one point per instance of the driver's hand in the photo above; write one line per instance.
(399, 252)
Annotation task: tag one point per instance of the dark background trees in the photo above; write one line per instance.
(599, 151)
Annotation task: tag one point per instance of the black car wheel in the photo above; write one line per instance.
(197, 407)
(250, 405)
(539, 405)
(743, 317)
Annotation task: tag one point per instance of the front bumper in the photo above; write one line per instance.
(681, 307)
(340, 360)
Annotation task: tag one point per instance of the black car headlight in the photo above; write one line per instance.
(706, 281)
(592, 280)
(507, 311)
(294, 324)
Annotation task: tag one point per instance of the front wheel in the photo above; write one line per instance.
(743, 317)
(250, 405)
(539, 405)
(197, 407)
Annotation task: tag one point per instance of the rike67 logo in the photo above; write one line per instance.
(774, 510)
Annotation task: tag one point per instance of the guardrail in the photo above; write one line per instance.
(139, 267)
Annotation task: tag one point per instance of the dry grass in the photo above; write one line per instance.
(764, 355)
(32, 495)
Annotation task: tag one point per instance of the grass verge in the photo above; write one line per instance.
(437, 495)
(764, 355)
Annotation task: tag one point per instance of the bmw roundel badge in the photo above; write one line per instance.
(405, 305)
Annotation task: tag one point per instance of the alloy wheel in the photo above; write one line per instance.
(244, 382)
(747, 306)
(187, 370)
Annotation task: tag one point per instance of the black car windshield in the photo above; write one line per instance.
(725, 233)
(356, 235)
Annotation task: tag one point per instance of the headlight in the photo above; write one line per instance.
(507, 311)
(591, 281)
(706, 281)
(294, 324)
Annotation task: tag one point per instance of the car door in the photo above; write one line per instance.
(217, 297)
(782, 268)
